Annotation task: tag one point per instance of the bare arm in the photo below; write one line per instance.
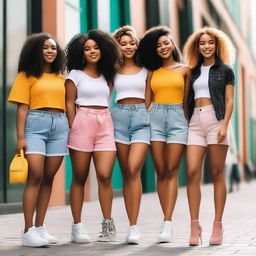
(22, 113)
(148, 92)
(70, 101)
(186, 91)
(229, 103)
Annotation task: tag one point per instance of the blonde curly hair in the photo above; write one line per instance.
(224, 47)
(126, 31)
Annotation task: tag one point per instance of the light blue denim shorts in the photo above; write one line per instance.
(168, 123)
(131, 123)
(46, 133)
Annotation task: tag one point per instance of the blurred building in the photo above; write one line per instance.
(64, 18)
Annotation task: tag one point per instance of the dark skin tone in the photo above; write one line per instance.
(42, 169)
(131, 157)
(103, 160)
(167, 157)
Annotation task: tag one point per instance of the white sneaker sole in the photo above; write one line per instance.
(81, 241)
(38, 245)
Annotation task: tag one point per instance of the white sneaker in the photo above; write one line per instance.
(44, 234)
(108, 233)
(166, 234)
(133, 235)
(33, 239)
(79, 234)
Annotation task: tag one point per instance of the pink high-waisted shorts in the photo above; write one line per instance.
(92, 130)
(203, 127)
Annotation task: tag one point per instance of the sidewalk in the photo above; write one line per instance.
(239, 223)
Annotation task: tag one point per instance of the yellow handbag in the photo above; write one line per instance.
(18, 168)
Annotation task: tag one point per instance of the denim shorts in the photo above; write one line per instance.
(168, 123)
(46, 133)
(131, 123)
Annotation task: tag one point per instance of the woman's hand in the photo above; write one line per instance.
(222, 133)
(21, 144)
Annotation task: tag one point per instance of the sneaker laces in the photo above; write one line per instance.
(104, 231)
(112, 228)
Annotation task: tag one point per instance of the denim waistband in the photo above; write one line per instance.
(167, 106)
(38, 112)
(131, 106)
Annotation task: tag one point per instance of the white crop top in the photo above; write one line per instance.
(90, 91)
(200, 86)
(131, 86)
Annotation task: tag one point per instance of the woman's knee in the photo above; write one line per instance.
(161, 174)
(133, 172)
(193, 173)
(171, 171)
(35, 179)
(104, 179)
(217, 174)
(78, 180)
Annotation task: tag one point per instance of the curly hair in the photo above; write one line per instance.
(31, 58)
(224, 47)
(110, 60)
(147, 53)
(128, 31)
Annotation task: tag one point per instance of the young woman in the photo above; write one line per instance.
(208, 51)
(167, 89)
(131, 122)
(92, 62)
(42, 127)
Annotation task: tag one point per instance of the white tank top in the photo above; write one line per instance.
(131, 86)
(90, 91)
(201, 86)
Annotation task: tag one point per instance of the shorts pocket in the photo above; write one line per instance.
(33, 123)
(143, 117)
(75, 124)
(181, 115)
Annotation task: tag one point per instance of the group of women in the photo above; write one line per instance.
(161, 104)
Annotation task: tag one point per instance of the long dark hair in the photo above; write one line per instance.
(148, 56)
(110, 60)
(31, 56)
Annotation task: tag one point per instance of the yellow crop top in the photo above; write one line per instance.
(48, 91)
(167, 86)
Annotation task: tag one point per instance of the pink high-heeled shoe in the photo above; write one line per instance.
(217, 233)
(195, 233)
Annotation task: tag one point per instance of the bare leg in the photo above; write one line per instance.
(80, 165)
(173, 158)
(30, 195)
(104, 162)
(194, 156)
(51, 167)
(217, 154)
(158, 151)
(132, 162)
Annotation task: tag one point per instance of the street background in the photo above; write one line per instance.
(239, 228)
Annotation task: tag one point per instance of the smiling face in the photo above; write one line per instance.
(164, 47)
(92, 52)
(207, 46)
(128, 46)
(49, 51)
